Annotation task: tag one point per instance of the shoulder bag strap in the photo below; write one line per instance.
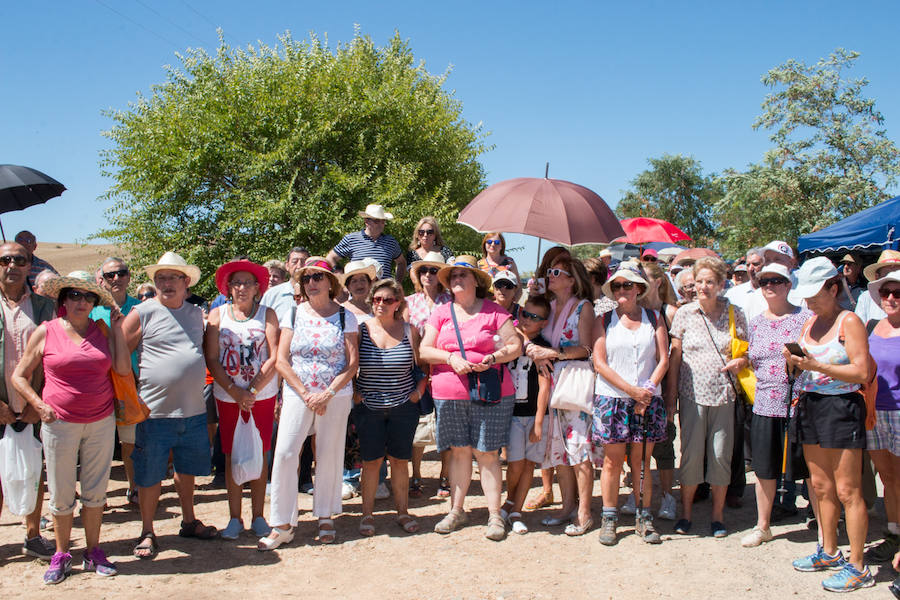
(462, 350)
(719, 354)
(341, 317)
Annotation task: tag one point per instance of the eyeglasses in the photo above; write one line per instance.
(110, 275)
(374, 221)
(429, 270)
(426, 232)
(168, 278)
(504, 284)
(312, 277)
(242, 283)
(689, 287)
(147, 295)
(557, 273)
(493, 242)
(19, 261)
(531, 316)
(75, 296)
(767, 281)
(885, 293)
(386, 300)
(624, 285)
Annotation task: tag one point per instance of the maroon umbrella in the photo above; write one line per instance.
(692, 254)
(552, 209)
(640, 230)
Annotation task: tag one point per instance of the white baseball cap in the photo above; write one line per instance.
(779, 247)
(812, 275)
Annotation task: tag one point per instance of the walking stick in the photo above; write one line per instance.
(786, 472)
(643, 458)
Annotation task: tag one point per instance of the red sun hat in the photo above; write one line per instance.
(223, 274)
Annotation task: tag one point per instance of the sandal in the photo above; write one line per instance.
(366, 526)
(415, 488)
(131, 497)
(454, 520)
(327, 531)
(142, 549)
(408, 524)
(275, 538)
(444, 489)
(196, 529)
(545, 499)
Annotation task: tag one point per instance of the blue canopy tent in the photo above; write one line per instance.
(873, 229)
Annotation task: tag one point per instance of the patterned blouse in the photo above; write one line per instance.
(317, 347)
(767, 338)
(700, 379)
(419, 309)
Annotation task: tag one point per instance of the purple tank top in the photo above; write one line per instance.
(77, 384)
(886, 352)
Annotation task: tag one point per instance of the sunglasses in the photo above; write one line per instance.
(885, 294)
(429, 270)
(557, 273)
(649, 259)
(110, 275)
(312, 277)
(147, 295)
(493, 242)
(505, 284)
(767, 281)
(625, 285)
(19, 261)
(75, 296)
(242, 283)
(531, 316)
(374, 221)
(426, 232)
(386, 300)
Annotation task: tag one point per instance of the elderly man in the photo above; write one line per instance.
(29, 242)
(22, 313)
(167, 331)
(41, 280)
(739, 295)
(372, 242)
(851, 269)
(115, 277)
(280, 298)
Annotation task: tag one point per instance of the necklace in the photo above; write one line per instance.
(252, 312)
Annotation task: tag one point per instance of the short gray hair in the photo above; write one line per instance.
(757, 251)
(113, 259)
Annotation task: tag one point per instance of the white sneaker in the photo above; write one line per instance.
(667, 507)
(382, 491)
(628, 508)
(756, 537)
(347, 491)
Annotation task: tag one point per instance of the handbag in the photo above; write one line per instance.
(746, 377)
(574, 387)
(484, 386)
(129, 408)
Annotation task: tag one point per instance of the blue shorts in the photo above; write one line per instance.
(388, 430)
(186, 438)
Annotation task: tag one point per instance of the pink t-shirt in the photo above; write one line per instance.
(77, 384)
(478, 339)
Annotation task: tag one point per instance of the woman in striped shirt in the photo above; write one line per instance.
(387, 394)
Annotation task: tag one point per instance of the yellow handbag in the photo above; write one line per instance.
(746, 377)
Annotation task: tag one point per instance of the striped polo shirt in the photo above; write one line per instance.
(357, 246)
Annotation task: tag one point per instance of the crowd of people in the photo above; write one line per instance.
(789, 370)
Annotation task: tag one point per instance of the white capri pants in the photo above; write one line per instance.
(64, 444)
(296, 423)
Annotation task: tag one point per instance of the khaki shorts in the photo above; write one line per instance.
(425, 430)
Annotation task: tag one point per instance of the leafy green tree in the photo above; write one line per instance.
(252, 151)
(831, 156)
(674, 189)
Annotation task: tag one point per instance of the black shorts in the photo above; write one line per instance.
(767, 441)
(389, 430)
(664, 452)
(832, 421)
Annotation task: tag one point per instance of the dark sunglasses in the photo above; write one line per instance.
(505, 284)
(147, 295)
(625, 285)
(312, 277)
(557, 273)
(426, 232)
(885, 294)
(531, 316)
(383, 300)
(19, 261)
(75, 296)
(767, 281)
(649, 259)
(429, 270)
(110, 275)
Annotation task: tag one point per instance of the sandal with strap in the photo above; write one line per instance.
(408, 524)
(327, 532)
(275, 538)
(545, 499)
(196, 529)
(143, 550)
(366, 526)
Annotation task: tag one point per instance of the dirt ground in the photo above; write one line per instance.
(542, 564)
(66, 258)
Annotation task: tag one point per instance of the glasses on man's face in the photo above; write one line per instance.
(77, 295)
(312, 277)
(504, 284)
(767, 281)
(17, 260)
(386, 300)
(110, 275)
(168, 278)
(886, 293)
(531, 316)
(426, 232)
(147, 295)
(372, 221)
(557, 273)
(615, 286)
(429, 270)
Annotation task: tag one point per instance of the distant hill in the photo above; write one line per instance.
(66, 258)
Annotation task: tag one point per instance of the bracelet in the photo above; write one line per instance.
(493, 358)
(330, 392)
(449, 356)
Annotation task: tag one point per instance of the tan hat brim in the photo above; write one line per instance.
(190, 271)
(53, 287)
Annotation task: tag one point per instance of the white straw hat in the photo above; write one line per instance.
(173, 262)
(376, 211)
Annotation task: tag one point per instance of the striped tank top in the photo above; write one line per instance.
(385, 376)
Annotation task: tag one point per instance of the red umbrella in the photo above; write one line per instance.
(641, 230)
(553, 209)
(692, 254)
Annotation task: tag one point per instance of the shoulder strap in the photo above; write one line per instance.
(651, 316)
(870, 326)
(294, 315)
(731, 328)
(716, 348)
(844, 316)
(607, 319)
(341, 317)
(462, 350)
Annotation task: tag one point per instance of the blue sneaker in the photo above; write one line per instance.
(819, 561)
(849, 579)
(232, 530)
(60, 566)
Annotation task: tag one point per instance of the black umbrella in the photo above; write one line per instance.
(21, 187)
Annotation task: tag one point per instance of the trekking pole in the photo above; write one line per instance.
(643, 458)
(785, 472)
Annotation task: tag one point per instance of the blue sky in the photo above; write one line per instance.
(595, 88)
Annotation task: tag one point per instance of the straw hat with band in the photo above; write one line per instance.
(628, 272)
(224, 273)
(173, 262)
(812, 275)
(887, 258)
(318, 264)
(376, 211)
(432, 259)
(466, 261)
(893, 276)
(367, 266)
(81, 280)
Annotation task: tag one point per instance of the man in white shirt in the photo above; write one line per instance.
(740, 294)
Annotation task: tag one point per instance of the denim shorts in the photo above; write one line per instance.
(186, 438)
(388, 430)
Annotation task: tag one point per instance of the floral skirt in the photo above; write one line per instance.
(570, 440)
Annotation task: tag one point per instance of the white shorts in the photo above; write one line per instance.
(519, 447)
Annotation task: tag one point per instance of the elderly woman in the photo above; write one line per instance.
(779, 324)
(466, 424)
(427, 239)
(419, 306)
(76, 408)
(831, 418)
(701, 371)
(631, 355)
(240, 346)
(570, 448)
(357, 279)
(684, 283)
(495, 259)
(278, 273)
(387, 394)
(317, 358)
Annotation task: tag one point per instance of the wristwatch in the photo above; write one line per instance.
(252, 390)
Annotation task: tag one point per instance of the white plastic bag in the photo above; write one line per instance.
(246, 452)
(20, 469)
